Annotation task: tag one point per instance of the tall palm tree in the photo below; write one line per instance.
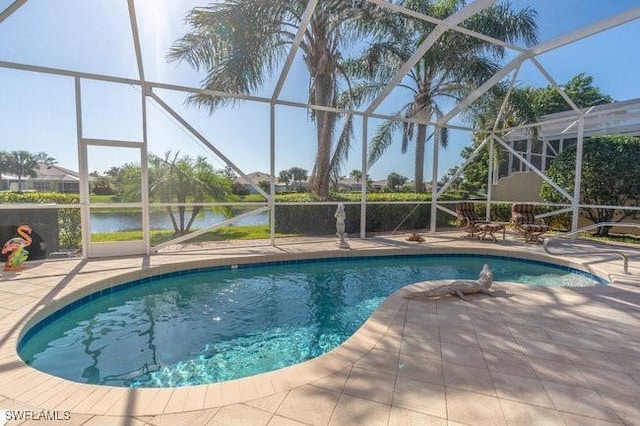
(240, 43)
(518, 109)
(451, 68)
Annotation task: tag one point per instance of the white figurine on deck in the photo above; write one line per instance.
(340, 227)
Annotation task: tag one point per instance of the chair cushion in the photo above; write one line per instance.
(523, 214)
(467, 210)
(491, 227)
(535, 228)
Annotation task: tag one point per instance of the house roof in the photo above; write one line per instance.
(617, 118)
(255, 177)
(55, 172)
(48, 173)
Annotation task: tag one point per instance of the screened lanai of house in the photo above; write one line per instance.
(146, 80)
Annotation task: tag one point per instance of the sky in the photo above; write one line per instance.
(37, 111)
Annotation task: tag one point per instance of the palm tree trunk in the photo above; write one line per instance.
(419, 165)
(324, 131)
(181, 217)
(194, 213)
(173, 220)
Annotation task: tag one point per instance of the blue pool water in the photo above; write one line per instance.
(206, 327)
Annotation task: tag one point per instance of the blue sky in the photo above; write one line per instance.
(37, 111)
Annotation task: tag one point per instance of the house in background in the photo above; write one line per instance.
(48, 178)
(256, 178)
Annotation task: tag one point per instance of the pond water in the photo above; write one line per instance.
(132, 221)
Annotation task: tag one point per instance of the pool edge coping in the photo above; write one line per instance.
(239, 390)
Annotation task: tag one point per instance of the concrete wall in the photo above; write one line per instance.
(520, 186)
(44, 226)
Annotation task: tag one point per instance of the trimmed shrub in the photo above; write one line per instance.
(320, 220)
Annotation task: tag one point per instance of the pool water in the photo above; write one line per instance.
(208, 327)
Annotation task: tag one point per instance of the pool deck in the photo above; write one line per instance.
(531, 355)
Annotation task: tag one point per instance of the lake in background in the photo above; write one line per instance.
(132, 221)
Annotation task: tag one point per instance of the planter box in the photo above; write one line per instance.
(44, 226)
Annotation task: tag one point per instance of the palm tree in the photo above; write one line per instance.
(356, 175)
(298, 174)
(240, 43)
(450, 69)
(185, 180)
(285, 176)
(518, 110)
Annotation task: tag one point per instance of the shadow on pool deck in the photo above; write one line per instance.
(564, 356)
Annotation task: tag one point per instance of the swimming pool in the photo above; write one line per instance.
(207, 326)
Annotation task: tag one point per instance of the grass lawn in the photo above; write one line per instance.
(612, 238)
(220, 234)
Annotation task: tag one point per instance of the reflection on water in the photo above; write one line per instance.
(132, 221)
(208, 327)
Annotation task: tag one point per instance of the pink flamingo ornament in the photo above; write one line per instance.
(16, 247)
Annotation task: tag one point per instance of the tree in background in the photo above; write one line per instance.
(477, 172)
(356, 175)
(101, 185)
(241, 43)
(450, 69)
(237, 188)
(580, 90)
(610, 170)
(455, 184)
(174, 179)
(21, 164)
(265, 185)
(395, 181)
(298, 174)
(44, 158)
(525, 105)
(285, 177)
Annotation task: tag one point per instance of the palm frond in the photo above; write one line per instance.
(343, 146)
(407, 136)
(382, 139)
(240, 43)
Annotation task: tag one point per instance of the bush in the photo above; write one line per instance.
(320, 220)
(239, 189)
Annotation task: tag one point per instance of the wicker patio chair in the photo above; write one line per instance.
(468, 218)
(523, 221)
(476, 227)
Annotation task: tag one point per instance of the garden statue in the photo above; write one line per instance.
(340, 227)
(462, 287)
(16, 247)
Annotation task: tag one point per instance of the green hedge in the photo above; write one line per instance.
(69, 228)
(320, 220)
(301, 197)
(39, 198)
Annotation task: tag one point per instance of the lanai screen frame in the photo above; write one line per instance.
(450, 23)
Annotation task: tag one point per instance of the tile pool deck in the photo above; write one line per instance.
(565, 356)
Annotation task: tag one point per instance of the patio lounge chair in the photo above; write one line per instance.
(468, 218)
(523, 221)
(476, 227)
